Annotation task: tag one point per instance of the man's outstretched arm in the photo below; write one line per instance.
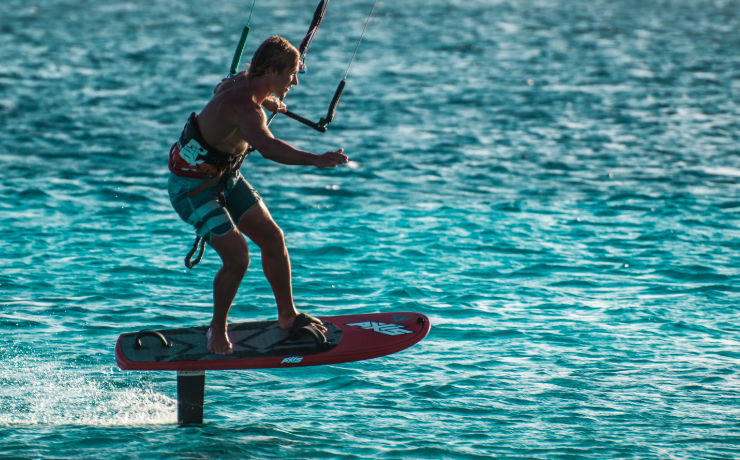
(255, 131)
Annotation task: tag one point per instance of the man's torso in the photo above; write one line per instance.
(218, 130)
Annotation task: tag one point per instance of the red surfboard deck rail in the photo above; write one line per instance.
(262, 344)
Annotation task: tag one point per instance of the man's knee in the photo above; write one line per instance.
(238, 261)
(268, 236)
(277, 237)
(274, 240)
(259, 226)
(234, 252)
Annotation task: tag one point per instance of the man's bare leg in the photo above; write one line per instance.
(259, 226)
(234, 254)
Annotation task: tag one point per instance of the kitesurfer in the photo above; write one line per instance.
(208, 191)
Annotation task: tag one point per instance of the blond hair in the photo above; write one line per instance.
(275, 53)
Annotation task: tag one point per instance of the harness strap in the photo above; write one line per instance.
(198, 242)
(206, 184)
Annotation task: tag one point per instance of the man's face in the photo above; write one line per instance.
(284, 80)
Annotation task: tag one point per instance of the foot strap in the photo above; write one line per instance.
(306, 325)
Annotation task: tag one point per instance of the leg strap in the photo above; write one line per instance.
(198, 242)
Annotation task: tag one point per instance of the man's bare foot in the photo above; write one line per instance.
(218, 342)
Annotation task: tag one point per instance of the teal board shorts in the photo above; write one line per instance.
(204, 212)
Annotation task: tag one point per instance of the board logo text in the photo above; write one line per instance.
(292, 360)
(382, 328)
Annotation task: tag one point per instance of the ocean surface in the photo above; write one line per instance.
(556, 184)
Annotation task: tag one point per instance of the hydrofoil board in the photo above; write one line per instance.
(262, 344)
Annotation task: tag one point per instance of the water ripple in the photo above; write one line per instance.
(555, 185)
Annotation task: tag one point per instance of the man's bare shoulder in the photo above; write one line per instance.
(244, 106)
(233, 105)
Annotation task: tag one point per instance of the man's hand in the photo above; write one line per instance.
(274, 104)
(331, 159)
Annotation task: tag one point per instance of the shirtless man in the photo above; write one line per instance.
(207, 193)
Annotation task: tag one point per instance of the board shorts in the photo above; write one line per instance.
(204, 211)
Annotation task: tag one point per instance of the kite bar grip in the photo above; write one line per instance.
(333, 106)
(142, 334)
(239, 51)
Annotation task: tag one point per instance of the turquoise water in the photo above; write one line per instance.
(554, 183)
